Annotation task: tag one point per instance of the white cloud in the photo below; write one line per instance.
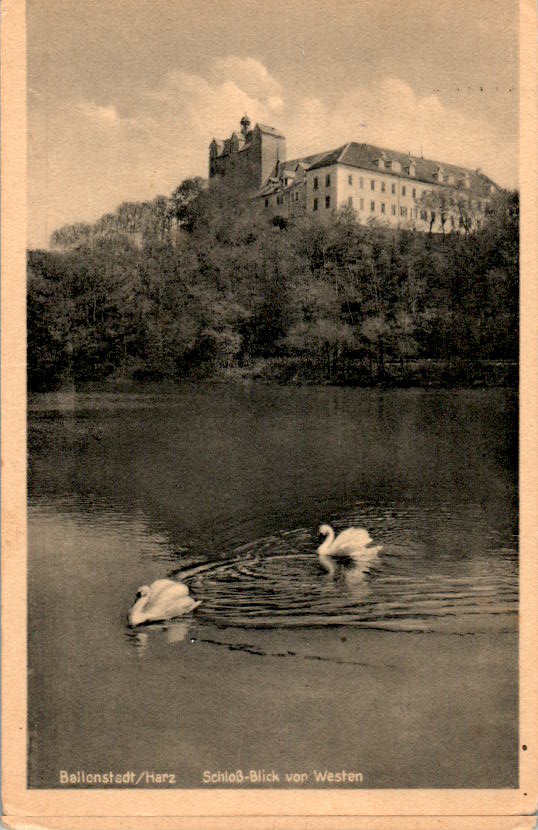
(248, 74)
(275, 103)
(205, 108)
(100, 115)
(165, 136)
(392, 115)
(178, 120)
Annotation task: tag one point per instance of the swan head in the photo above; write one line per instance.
(328, 535)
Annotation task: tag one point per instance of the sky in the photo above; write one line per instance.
(124, 96)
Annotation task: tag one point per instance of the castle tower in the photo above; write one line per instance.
(249, 156)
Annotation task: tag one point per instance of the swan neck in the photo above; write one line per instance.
(324, 547)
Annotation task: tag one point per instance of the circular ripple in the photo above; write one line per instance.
(424, 580)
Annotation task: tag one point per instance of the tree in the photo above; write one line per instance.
(129, 220)
(129, 296)
(70, 236)
(375, 331)
(402, 333)
(181, 201)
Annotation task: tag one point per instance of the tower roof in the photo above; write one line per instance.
(263, 128)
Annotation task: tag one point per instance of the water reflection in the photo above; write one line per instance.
(357, 572)
(172, 633)
(408, 583)
(435, 569)
(215, 467)
(225, 489)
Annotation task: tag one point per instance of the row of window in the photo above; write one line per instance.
(403, 209)
(383, 208)
(327, 181)
(361, 185)
(280, 198)
(414, 191)
(405, 212)
(327, 203)
(384, 187)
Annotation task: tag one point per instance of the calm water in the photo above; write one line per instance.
(225, 488)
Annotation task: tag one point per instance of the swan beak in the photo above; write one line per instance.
(134, 617)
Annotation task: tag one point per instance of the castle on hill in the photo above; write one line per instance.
(395, 188)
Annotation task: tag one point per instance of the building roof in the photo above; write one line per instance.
(327, 158)
(316, 160)
(364, 156)
(223, 146)
(263, 128)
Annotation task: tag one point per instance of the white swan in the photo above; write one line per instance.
(164, 599)
(351, 543)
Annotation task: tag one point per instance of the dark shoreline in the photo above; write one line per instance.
(419, 374)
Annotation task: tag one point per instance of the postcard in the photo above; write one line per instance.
(269, 306)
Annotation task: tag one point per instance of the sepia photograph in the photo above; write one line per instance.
(272, 406)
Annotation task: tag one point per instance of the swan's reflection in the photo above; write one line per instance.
(354, 566)
(356, 575)
(177, 632)
(174, 632)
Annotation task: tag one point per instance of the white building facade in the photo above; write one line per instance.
(393, 188)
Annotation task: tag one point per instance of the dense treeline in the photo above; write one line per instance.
(204, 285)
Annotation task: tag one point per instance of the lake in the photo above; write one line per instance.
(404, 670)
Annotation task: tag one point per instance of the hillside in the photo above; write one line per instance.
(202, 285)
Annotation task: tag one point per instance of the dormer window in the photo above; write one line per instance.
(411, 169)
(396, 166)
